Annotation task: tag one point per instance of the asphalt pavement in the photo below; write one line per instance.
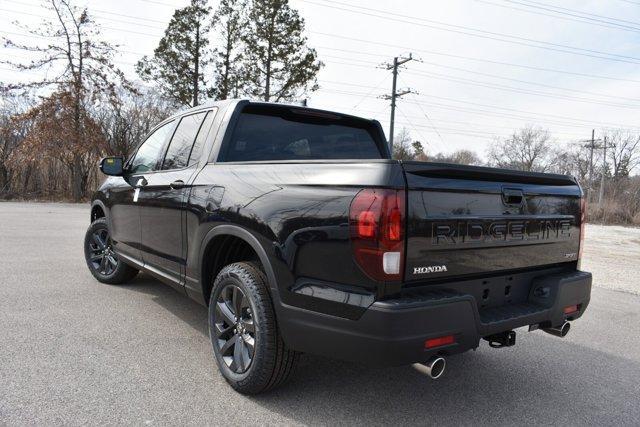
(74, 351)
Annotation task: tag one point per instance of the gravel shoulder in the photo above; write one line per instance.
(612, 254)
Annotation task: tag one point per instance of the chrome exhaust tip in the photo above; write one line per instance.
(559, 331)
(434, 368)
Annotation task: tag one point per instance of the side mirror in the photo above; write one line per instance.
(113, 166)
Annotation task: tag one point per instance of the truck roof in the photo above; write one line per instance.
(232, 103)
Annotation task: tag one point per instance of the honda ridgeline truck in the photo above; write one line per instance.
(300, 234)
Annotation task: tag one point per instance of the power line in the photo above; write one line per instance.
(563, 15)
(617, 97)
(496, 86)
(423, 51)
(459, 29)
(478, 83)
(417, 129)
(429, 119)
(374, 88)
(358, 52)
(473, 111)
(160, 3)
(102, 26)
(547, 5)
(39, 7)
(467, 102)
(532, 115)
(527, 82)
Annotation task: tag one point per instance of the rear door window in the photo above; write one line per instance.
(196, 151)
(183, 141)
(294, 134)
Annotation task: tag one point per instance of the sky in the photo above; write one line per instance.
(481, 69)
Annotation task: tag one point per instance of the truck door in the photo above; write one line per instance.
(125, 213)
(162, 200)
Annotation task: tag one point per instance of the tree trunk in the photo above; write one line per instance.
(27, 177)
(4, 178)
(267, 82)
(76, 178)
(196, 73)
(225, 86)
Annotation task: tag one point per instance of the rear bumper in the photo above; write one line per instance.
(393, 332)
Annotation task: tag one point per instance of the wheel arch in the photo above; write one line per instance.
(226, 235)
(98, 210)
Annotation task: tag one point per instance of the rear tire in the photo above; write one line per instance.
(246, 342)
(102, 261)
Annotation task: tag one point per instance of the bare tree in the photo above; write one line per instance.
(53, 135)
(126, 122)
(402, 145)
(527, 149)
(461, 157)
(83, 68)
(572, 160)
(624, 152)
(11, 135)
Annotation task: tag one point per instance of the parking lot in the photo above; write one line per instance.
(75, 351)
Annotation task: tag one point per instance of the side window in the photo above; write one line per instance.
(149, 152)
(183, 140)
(202, 137)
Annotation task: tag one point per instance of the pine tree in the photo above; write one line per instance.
(278, 63)
(229, 21)
(178, 62)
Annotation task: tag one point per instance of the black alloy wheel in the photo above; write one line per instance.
(245, 337)
(102, 260)
(101, 255)
(235, 331)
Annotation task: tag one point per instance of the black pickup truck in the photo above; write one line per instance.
(300, 234)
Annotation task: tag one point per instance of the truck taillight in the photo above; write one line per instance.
(583, 222)
(376, 222)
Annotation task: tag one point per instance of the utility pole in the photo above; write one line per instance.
(593, 142)
(605, 145)
(397, 62)
(591, 146)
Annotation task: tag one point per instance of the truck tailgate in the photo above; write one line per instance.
(466, 220)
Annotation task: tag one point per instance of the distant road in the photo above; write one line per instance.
(73, 351)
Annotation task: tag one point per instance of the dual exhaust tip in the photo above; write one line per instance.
(434, 368)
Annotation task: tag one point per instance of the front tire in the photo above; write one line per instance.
(102, 261)
(246, 342)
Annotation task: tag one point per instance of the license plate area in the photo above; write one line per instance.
(503, 290)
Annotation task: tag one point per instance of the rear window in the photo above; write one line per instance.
(273, 133)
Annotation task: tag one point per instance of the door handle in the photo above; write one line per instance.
(141, 182)
(176, 185)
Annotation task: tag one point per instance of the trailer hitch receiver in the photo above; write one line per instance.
(503, 339)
